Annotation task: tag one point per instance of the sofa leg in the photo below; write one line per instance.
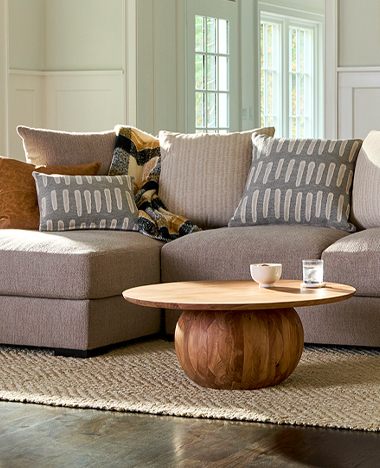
(88, 353)
(80, 353)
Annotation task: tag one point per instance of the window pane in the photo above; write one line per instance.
(270, 47)
(200, 71)
(270, 101)
(211, 110)
(200, 31)
(223, 73)
(301, 50)
(211, 72)
(262, 45)
(294, 93)
(211, 35)
(302, 127)
(200, 108)
(262, 100)
(223, 36)
(293, 35)
(302, 94)
(293, 127)
(269, 109)
(223, 110)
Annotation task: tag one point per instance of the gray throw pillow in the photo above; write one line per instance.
(86, 202)
(301, 181)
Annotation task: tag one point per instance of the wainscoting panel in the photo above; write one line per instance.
(358, 101)
(25, 107)
(85, 101)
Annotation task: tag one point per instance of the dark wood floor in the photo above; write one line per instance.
(36, 436)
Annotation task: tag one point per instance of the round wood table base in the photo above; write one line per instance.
(240, 349)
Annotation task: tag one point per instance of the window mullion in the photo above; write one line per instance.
(285, 62)
(265, 48)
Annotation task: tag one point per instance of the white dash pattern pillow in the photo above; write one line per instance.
(299, 181)
(86, 202)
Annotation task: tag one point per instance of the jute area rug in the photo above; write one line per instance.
(331, 387)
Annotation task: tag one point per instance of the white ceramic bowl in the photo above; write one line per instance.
(266, 273)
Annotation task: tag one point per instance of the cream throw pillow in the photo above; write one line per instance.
(365, 211)
(203, 175)
(51, 147)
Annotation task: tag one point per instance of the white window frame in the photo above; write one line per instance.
(268, 119)
(287, 17)
(207, 91)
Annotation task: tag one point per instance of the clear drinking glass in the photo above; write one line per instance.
(312, 272)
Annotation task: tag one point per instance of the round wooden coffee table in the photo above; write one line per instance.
(234, 334)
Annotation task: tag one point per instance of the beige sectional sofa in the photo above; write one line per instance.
(62, 290)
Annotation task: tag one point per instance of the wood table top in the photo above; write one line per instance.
(235, 295)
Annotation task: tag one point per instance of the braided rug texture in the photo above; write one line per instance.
(331, 387)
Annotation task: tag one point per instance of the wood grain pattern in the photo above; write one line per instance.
(239, 349)
(234, 334)
(235, 295)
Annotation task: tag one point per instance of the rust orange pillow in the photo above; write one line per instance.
(18, 195)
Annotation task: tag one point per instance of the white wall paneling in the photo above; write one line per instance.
(3, 78)
(69, 101)
(65, 66)
(84, 101)
(358, 101)
(25, 106)
(130, 60)
(331, 64)
(165, 65)
(160, 65)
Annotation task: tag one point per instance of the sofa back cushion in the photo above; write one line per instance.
(49, 147)
(203, 175)
(366, 186)
(303, 181)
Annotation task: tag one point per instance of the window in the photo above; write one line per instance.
(211, 75)
(291, 75)
(300, 82)
(270, 74)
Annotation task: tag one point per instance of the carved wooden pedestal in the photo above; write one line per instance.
(241, 349)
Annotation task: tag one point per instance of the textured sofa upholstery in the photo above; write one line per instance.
(63, 289)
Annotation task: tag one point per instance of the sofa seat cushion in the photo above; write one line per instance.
(226, 253)
(355, 260)
(76, 264)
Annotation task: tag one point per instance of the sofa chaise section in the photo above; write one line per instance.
(63, 290)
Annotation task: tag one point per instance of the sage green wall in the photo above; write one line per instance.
(26, 34)
(84, 35)
(359, 33)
